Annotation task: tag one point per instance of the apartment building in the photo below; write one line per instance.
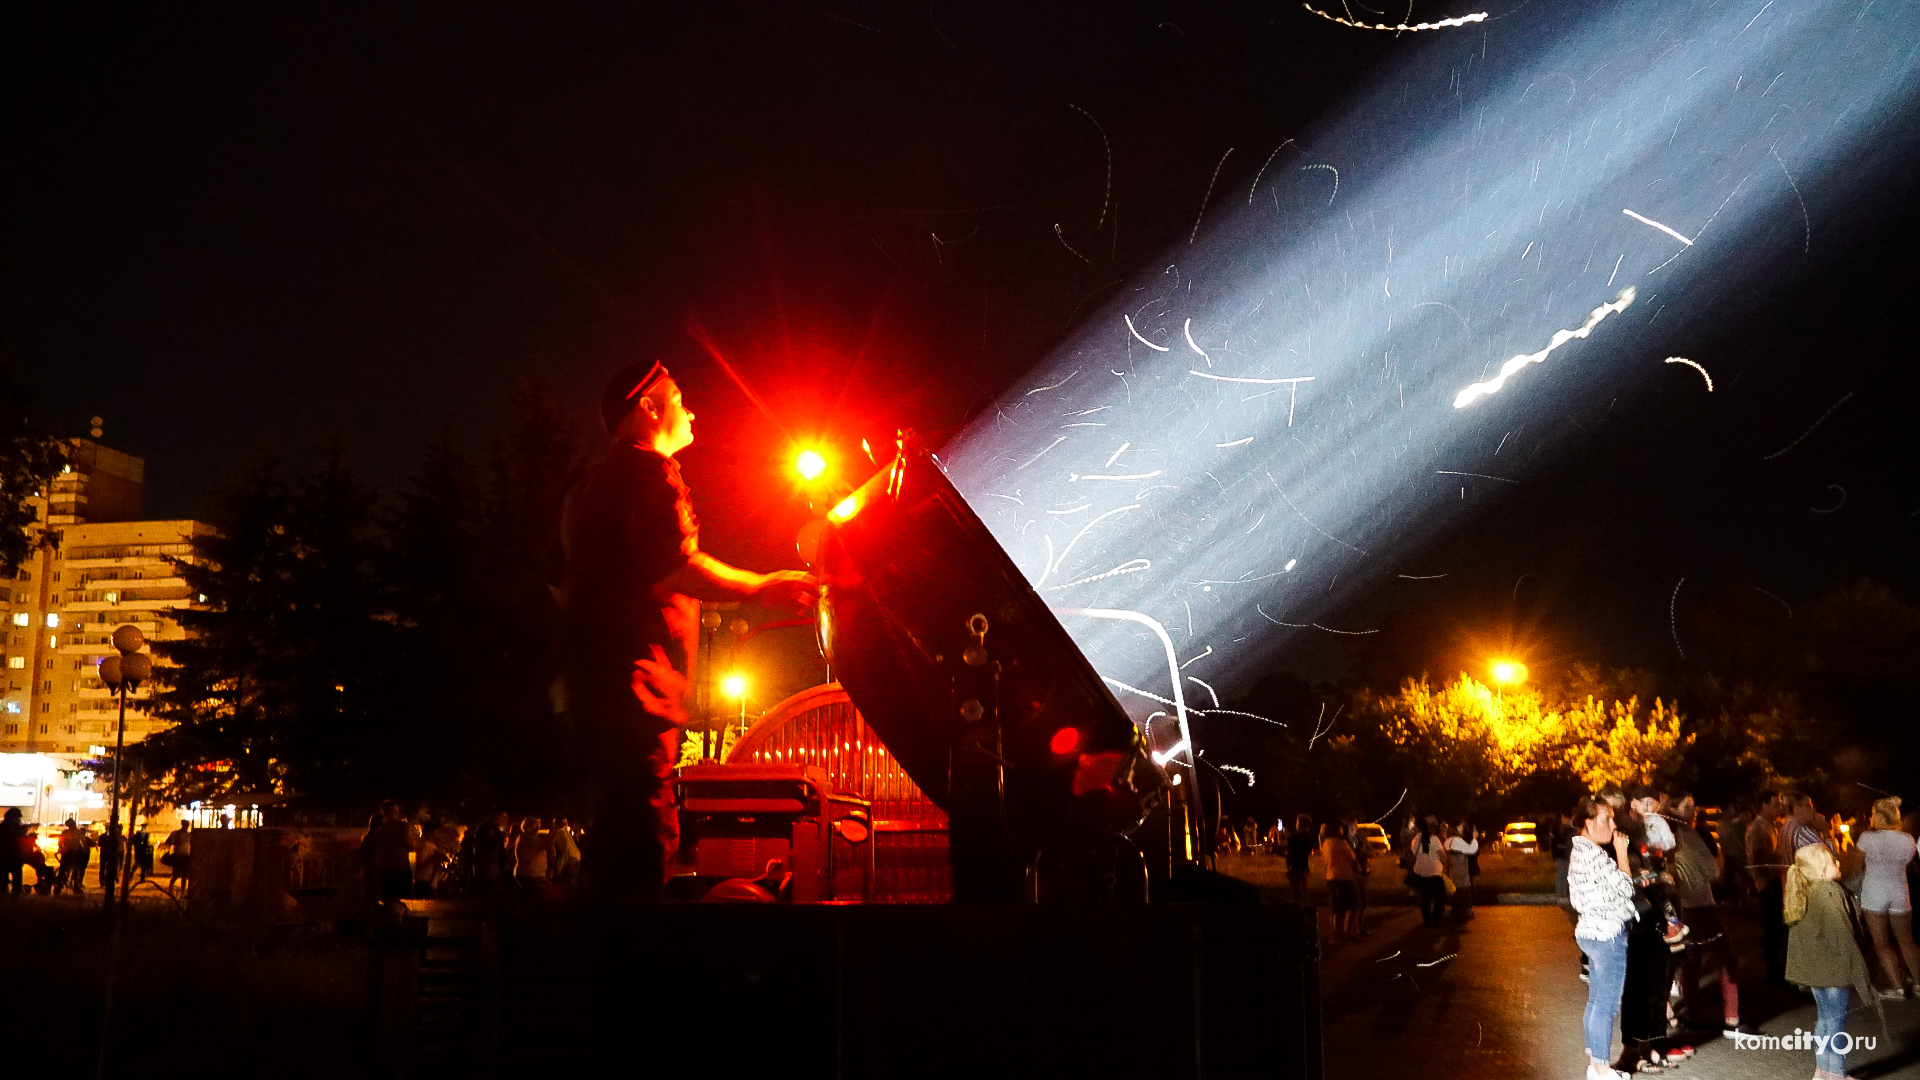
(100, 571)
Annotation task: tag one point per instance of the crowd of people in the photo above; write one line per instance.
(1638, 871)
(401, 858)
(79, 847)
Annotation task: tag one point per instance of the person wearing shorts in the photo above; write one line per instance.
(1342, 869)
(1885, 902)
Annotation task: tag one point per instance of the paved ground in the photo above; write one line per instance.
(1509, 1004)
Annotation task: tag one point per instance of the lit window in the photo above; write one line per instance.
(16, 662)
(53, 618)
(13, 707)
(23, 618)
(112, 598)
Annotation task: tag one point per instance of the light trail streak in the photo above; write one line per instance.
(1076, 477)
(1231, 445)
(1421, 577)
(1173, 751)
(1187, 329)
(1350, 633)
(1657, 225)
(1055, 564)
(1391, 809)
(1106, 197)
(1442, 960)
(1043, 453)
(1836, 506)
(1242, 770)
(1201, 216)
(1116, 455)
(1173, 662)
(1806, 223)
(1263, 169)
(1256, 382)
(1129, 567)
(1479, 390)
(1481, 475)
(1336, 179)
(1209, 689)
(1694, 366)
(1190, 663)
(1062, 237)
(1673, 617)
(1809, 431)
(1055, 386)
(1141, 340)
(1463, 20)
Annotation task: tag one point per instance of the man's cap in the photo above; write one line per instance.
(626, 388)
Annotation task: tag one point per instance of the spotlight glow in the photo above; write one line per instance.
(809, 464)
(1431, 238)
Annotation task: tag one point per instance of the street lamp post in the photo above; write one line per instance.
(124, 673)
(1507, 672)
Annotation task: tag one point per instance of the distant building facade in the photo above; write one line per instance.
(102, 568)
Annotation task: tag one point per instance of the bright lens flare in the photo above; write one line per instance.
(734, 686)
(809, 464)
(1508, 672)
(846, 508)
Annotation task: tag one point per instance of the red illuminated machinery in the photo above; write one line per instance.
(977, 690)
(986, 760)
(810, 785)
(820, 728)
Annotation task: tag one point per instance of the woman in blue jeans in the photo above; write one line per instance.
(1602, 892)
(1821, 951)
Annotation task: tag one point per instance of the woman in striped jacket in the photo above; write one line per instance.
(1602, 892)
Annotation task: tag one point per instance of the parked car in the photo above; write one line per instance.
(1520, 836)
(1375, 838)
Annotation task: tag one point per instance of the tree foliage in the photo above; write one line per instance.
(347, 652)
(1474, 743)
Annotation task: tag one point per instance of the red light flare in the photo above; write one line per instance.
(1064, 741)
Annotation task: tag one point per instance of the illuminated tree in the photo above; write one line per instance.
(1463, 742)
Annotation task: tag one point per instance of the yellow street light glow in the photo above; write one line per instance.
(1507, 672)
(810, 464)
(734, 686)
(846, 508)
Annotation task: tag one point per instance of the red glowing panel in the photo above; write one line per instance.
(1064, 741)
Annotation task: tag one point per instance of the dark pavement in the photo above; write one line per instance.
(1508, 1004)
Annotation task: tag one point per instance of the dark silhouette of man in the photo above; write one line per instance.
(630, 599)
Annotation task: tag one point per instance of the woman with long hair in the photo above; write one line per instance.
(1821, 953)
(1601, 890)
(1429, 862)
(1885, 901)
(1461, 849)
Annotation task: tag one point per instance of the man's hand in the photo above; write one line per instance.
(796, 589)
(660, 688)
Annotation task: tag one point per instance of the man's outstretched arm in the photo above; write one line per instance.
(704, 577)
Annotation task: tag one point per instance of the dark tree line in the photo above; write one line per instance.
(349, 649)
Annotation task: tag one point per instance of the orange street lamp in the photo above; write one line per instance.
(1508, 672)
(735, 686)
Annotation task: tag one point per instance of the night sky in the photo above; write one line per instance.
(255, 226)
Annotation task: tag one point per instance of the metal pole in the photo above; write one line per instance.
(113, 813)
